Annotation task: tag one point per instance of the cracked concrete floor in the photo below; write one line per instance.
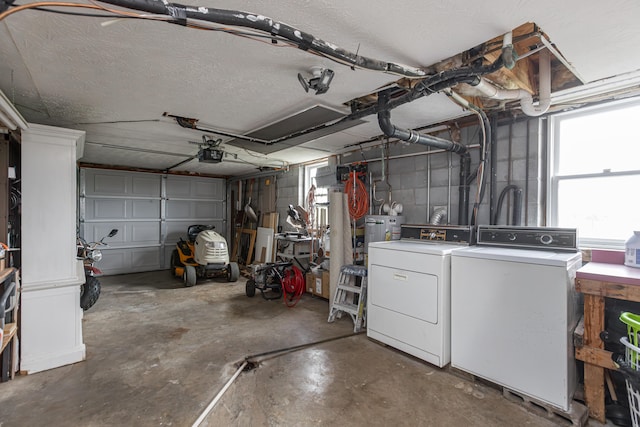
(157, 353)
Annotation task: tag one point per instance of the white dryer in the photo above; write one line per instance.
(408, 295)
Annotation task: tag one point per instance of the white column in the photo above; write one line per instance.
(51, 315)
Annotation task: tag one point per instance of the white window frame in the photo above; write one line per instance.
(321, 208)
(308, 181)
(555, 178)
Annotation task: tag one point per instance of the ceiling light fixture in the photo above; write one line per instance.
(320, 80)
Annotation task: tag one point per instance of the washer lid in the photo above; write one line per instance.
(518, 255)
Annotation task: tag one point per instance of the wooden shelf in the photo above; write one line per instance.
(598, 281)
(4, 274)
(10, 330)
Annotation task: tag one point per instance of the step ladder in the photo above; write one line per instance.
(349, 297)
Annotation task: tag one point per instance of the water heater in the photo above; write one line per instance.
(378, 228)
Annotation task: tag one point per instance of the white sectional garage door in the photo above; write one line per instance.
(150, 211)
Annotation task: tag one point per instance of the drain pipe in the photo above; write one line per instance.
(463, 189)
(526, 100)
(409, 135)
(218, 396)
(509, 55)
(486, 126)
(493, 166)
(384, 120)
(517, 205)
(252, 361)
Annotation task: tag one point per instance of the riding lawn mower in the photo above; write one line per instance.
(204, 255)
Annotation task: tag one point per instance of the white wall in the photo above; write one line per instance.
(51, 327)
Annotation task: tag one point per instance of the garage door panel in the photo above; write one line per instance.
(144, 233)
(167, 255)
(178, 187)
(143, 209)
(195, 188)
(145, 185)
(175, 231)
(209, 189)
(129, 233)
(113, 261)
(118, 209)
(179, 209)
(105, 183)
(106, 209)
(93, 232)
(151, 212)
(208, 210)
(146, 258)
(130, 260)
(115, 183)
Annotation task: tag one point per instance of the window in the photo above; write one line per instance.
(595, 173)
(321, 194)
(319, 215)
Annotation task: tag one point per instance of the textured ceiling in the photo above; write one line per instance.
(115, 81)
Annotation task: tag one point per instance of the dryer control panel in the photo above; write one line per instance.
(464, 235)
(557, 239)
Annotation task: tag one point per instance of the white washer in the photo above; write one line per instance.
(512, 317)
(408, 298)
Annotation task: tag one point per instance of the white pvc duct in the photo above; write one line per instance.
(526, 100)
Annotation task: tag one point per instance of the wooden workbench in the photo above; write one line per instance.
(597, 281)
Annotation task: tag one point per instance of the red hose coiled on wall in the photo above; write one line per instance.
(357, 195)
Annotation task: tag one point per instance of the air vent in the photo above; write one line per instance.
(306, 119)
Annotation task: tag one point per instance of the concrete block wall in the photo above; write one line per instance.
(517, 161)
(422, 181)
(288, 191)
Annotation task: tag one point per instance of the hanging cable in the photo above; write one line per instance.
(358, 197)
(485, 127)
(185, 15)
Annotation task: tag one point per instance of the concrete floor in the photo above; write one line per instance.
(157, 353)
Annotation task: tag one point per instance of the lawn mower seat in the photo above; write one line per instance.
(194, 230)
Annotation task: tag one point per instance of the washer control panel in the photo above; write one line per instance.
(462, 234)
(563, 239)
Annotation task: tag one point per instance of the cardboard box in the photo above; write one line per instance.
(318, 284)
(325, 284)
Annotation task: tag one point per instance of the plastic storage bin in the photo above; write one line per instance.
(632, 362)
(632, 250)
